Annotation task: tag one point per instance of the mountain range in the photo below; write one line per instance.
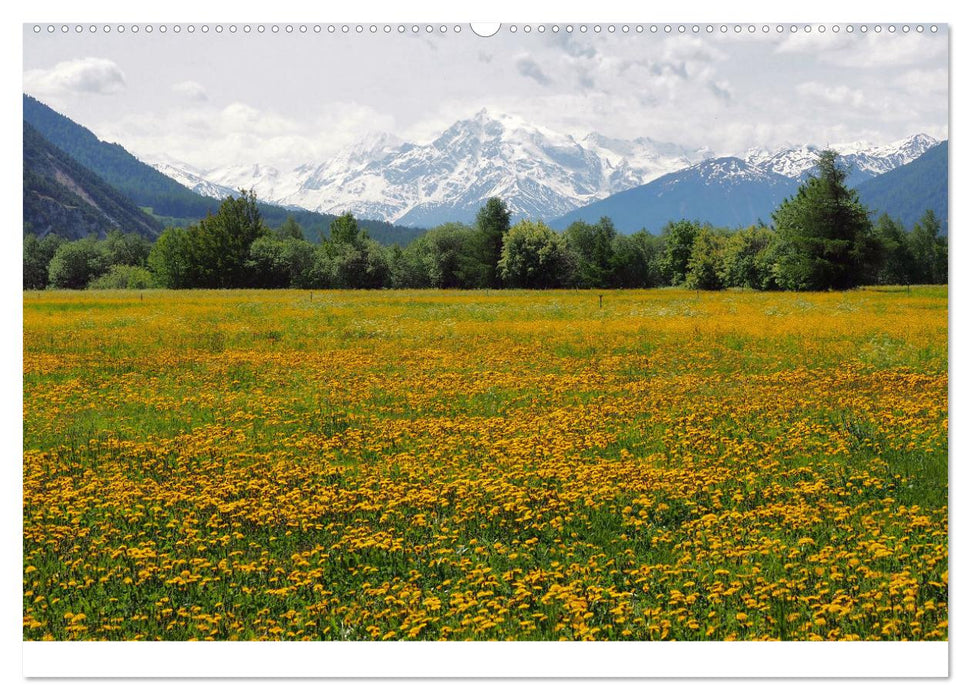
(539, 173)
(164, 199)
(543, 174)
(734, 192)
(536, 171)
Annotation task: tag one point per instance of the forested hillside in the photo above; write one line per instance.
(63, 197)
(905, 193)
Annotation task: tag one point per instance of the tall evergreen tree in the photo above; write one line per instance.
(823, 232)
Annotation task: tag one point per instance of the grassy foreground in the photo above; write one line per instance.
(505, 465)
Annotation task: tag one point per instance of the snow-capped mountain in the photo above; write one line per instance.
(863, 159)
(184, 175)
(538, 172)
(737, 192)
(645, 156)
(267, 181)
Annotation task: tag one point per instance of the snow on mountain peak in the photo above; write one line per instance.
(863, 158)
(729, 170)
(373, 145)
(540, 172)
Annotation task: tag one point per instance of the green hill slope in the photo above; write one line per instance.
(63, 197)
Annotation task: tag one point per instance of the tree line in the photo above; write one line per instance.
(821, 238)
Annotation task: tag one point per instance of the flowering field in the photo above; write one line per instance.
(505, 465)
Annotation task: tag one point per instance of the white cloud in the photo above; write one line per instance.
(191, 90)
(529, 68)
(924, 83)
(239, 134)
(81, 75)
(869, 50)
(819, 43)
(840, 95)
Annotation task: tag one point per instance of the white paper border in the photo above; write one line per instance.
(486, 659)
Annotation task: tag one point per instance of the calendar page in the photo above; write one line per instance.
(479, 335)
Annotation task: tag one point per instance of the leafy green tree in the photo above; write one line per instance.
(593, 248)
(822, 232)
(176, 259)
(678, 239)
(451, 257)
(898, 259)
(35, 274)
(212, 253)
(535, 256)
(409, 268)
(747, 259)
(76, 263)
(350, 259)
(38, 253)
(126, 248)
(225, 239)
(492, 223)
(929, 250)
(276, 263)
(344, 230)
(633, 261)
(344, 266)
(123, 277)
(706, 261)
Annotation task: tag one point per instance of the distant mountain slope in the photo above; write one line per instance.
(166, 197)
(908, 191)
(119, 168)
(65, 198)
(862, 160)
(187, 178)
(720, 191)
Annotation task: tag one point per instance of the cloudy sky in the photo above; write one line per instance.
(212, 100)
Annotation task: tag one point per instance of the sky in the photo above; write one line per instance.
(231, 98)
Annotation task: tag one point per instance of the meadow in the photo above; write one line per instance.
(671, 465)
